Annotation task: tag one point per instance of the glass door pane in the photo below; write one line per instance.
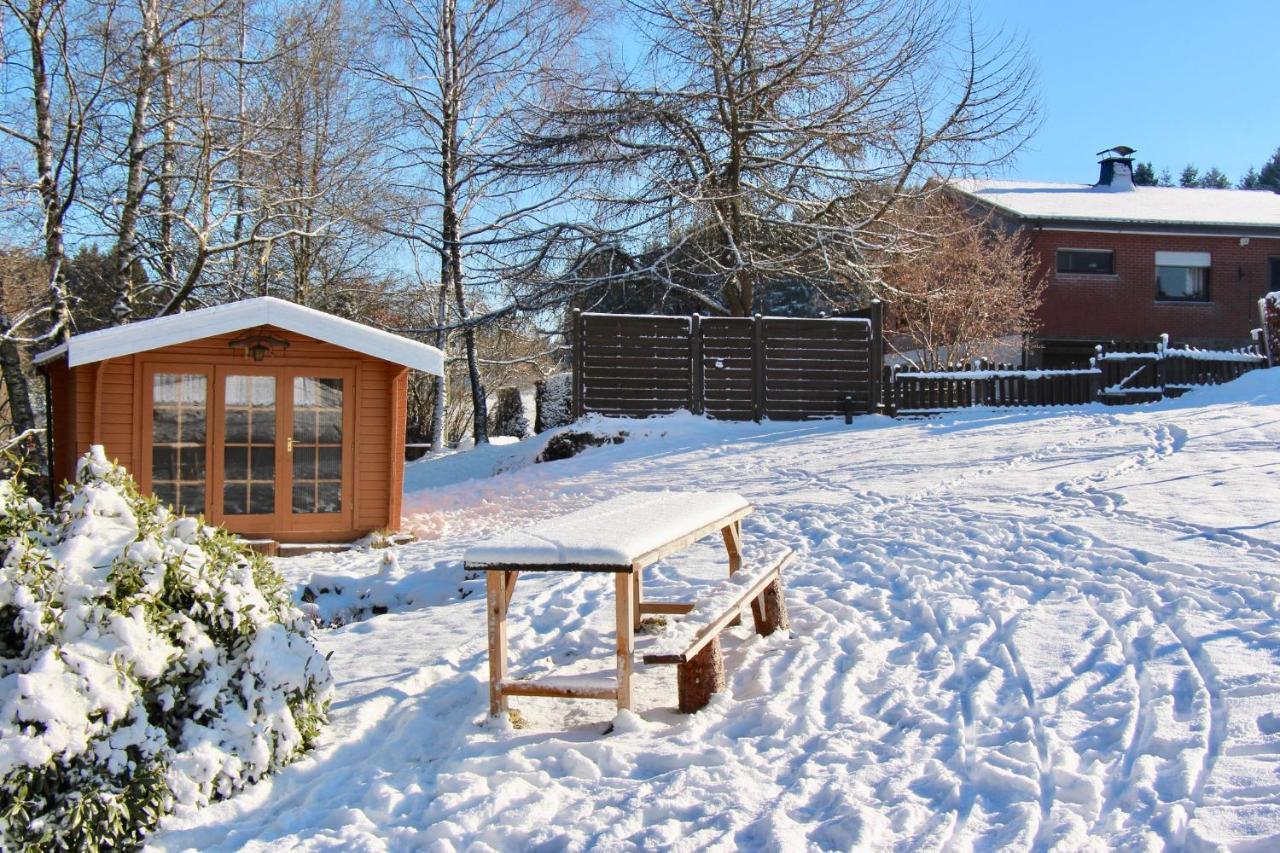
(317, 445)
(249, 446)
(178, 440)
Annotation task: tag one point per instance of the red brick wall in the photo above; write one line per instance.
(1125, 305)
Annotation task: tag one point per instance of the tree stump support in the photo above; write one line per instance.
(700, 678)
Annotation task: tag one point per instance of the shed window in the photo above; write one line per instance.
(1086, 261)
(178, 440)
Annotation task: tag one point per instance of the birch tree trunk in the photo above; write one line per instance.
(126, 237)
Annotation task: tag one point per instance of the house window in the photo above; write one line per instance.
(1086, 262)
(1182, 276)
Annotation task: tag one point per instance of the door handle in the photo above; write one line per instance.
(289, 444)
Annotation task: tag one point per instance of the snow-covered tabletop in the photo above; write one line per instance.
(616, 533)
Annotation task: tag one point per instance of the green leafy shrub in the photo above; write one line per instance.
(146, 661)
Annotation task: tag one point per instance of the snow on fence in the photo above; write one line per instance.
(1149, 371)
(979, 383)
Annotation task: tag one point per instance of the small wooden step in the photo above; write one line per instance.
(266, 547)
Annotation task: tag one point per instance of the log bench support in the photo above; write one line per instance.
(700, 666)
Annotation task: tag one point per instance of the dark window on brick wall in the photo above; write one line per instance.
(1182, 284)
(1086, 262)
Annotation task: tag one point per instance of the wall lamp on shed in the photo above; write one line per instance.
(259, 347)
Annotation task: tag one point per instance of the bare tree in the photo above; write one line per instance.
(465, 76)
(965, 284)
(66, 73)
(67, 76)
(759, 140)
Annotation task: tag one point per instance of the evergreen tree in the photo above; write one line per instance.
(1190, 176)
(1145, 175)
(1214, 179)
(1250, 180)
(1269, 174)
(1166, 178)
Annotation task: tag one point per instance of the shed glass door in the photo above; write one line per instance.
(315, 445)
(249, 445)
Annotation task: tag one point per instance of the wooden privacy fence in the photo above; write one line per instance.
(1143, 371)
(732, 368)
(981, 384)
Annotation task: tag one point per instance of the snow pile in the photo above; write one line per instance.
(147, 662)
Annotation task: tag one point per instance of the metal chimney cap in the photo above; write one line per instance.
(1118, 151)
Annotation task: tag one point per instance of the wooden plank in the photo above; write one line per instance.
(641, 341)
(558, 690)
(817, 384)
(633, 321)
(634, 396)
(624, 630)
(677, 608)
(718, 622)
(635, 378)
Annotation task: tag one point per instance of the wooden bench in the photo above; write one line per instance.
(694, 643)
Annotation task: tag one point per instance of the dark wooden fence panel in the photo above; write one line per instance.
(632, 366)
(734, 368)
(817, 368)
(728, 372)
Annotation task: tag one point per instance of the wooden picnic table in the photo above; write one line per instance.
(620, 536)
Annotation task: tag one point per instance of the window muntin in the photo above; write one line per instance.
(178, 436)
(1086, 262)
(317, 445)
(249, 446)
(1182, 284)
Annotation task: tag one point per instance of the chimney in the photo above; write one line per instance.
(1116, 173)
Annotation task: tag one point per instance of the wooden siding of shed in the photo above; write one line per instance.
(379, 400)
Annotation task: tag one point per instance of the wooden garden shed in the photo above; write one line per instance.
(277, 421)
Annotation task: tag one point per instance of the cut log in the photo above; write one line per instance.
(700, 678)
(770, 611)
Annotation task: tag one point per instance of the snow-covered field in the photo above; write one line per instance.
(1013, 630)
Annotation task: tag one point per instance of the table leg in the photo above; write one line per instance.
(497, 598)
(638, 596)
(625, 630)
(733, 544)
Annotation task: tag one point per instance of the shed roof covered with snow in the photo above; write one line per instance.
(189, 326)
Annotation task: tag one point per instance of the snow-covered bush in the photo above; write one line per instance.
(1270, 305)
(507, 417)
(554, 402)
(146, 661)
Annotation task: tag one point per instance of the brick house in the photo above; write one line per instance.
(1124, 261)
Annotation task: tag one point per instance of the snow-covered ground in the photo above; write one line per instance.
(1011, 629)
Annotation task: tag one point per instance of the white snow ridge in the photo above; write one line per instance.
(1022, 630)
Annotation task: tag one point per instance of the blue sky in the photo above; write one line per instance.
(1181, 81)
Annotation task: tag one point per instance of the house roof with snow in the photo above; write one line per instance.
(237, 316)
(1177, 208)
